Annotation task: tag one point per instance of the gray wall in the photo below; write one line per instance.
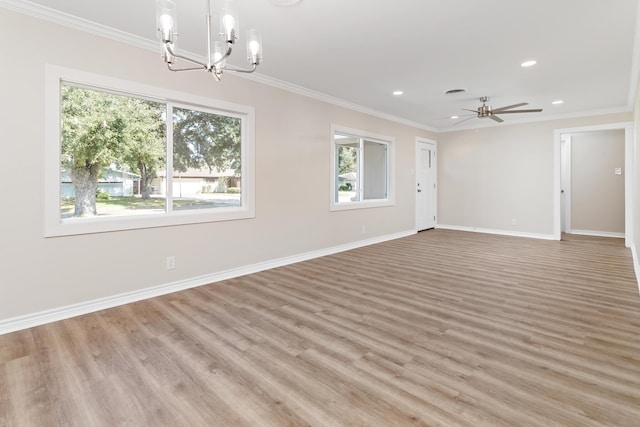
(489, 177)
(597, 193)
(293, 139)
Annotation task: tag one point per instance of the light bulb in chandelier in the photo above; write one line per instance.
(228, 28)
(229, 25)
(166, 22)
(219, 55)
(254, 47)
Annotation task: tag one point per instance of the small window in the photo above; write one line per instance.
(122, 156)
(361, 170)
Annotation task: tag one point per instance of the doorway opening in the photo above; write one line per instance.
(593, 181)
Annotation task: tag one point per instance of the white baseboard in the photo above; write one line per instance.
(597, 233)
(496, 231)
(53, 315)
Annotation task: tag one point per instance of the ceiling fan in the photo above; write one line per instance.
(486, 111)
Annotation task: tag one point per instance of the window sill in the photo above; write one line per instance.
(361, 205)
(70, 227)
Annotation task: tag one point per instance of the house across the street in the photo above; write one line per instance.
(115, 183)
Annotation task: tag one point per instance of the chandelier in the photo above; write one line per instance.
(217, 51)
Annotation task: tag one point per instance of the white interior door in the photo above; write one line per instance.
(565, 182)
(425, 185)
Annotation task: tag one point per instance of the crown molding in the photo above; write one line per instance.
(76, 23)
(290, 87)
(41, 12)
(491, 124)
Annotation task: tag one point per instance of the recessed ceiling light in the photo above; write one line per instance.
(398, 92)
(455, 117)
(558, 102)
(529, 63)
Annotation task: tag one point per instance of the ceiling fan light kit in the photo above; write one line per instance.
(218, 51)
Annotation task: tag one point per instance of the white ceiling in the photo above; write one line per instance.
(360, 51)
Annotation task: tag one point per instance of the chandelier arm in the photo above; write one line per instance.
(243, 70)
(173, 53)
(169, 66)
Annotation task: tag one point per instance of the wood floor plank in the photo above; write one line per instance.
(442, 328)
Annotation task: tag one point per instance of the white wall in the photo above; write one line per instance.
(292, 139)
(489, 177)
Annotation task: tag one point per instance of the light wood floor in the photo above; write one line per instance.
(442, 328)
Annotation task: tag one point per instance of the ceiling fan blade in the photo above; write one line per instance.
(462, 121)
(509, 107)
(496, 118)
(536, 110)
(459, 116)
(473, 111)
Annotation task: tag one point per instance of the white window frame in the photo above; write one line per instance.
(54, 226)
(369, 136)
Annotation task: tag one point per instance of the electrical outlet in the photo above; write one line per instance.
(514, 221)
(363, 229)
(171, 262)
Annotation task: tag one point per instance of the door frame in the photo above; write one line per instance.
(628, 176)
(420, 140)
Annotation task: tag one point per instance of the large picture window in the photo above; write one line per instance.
(361, 170)
(122, 156)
